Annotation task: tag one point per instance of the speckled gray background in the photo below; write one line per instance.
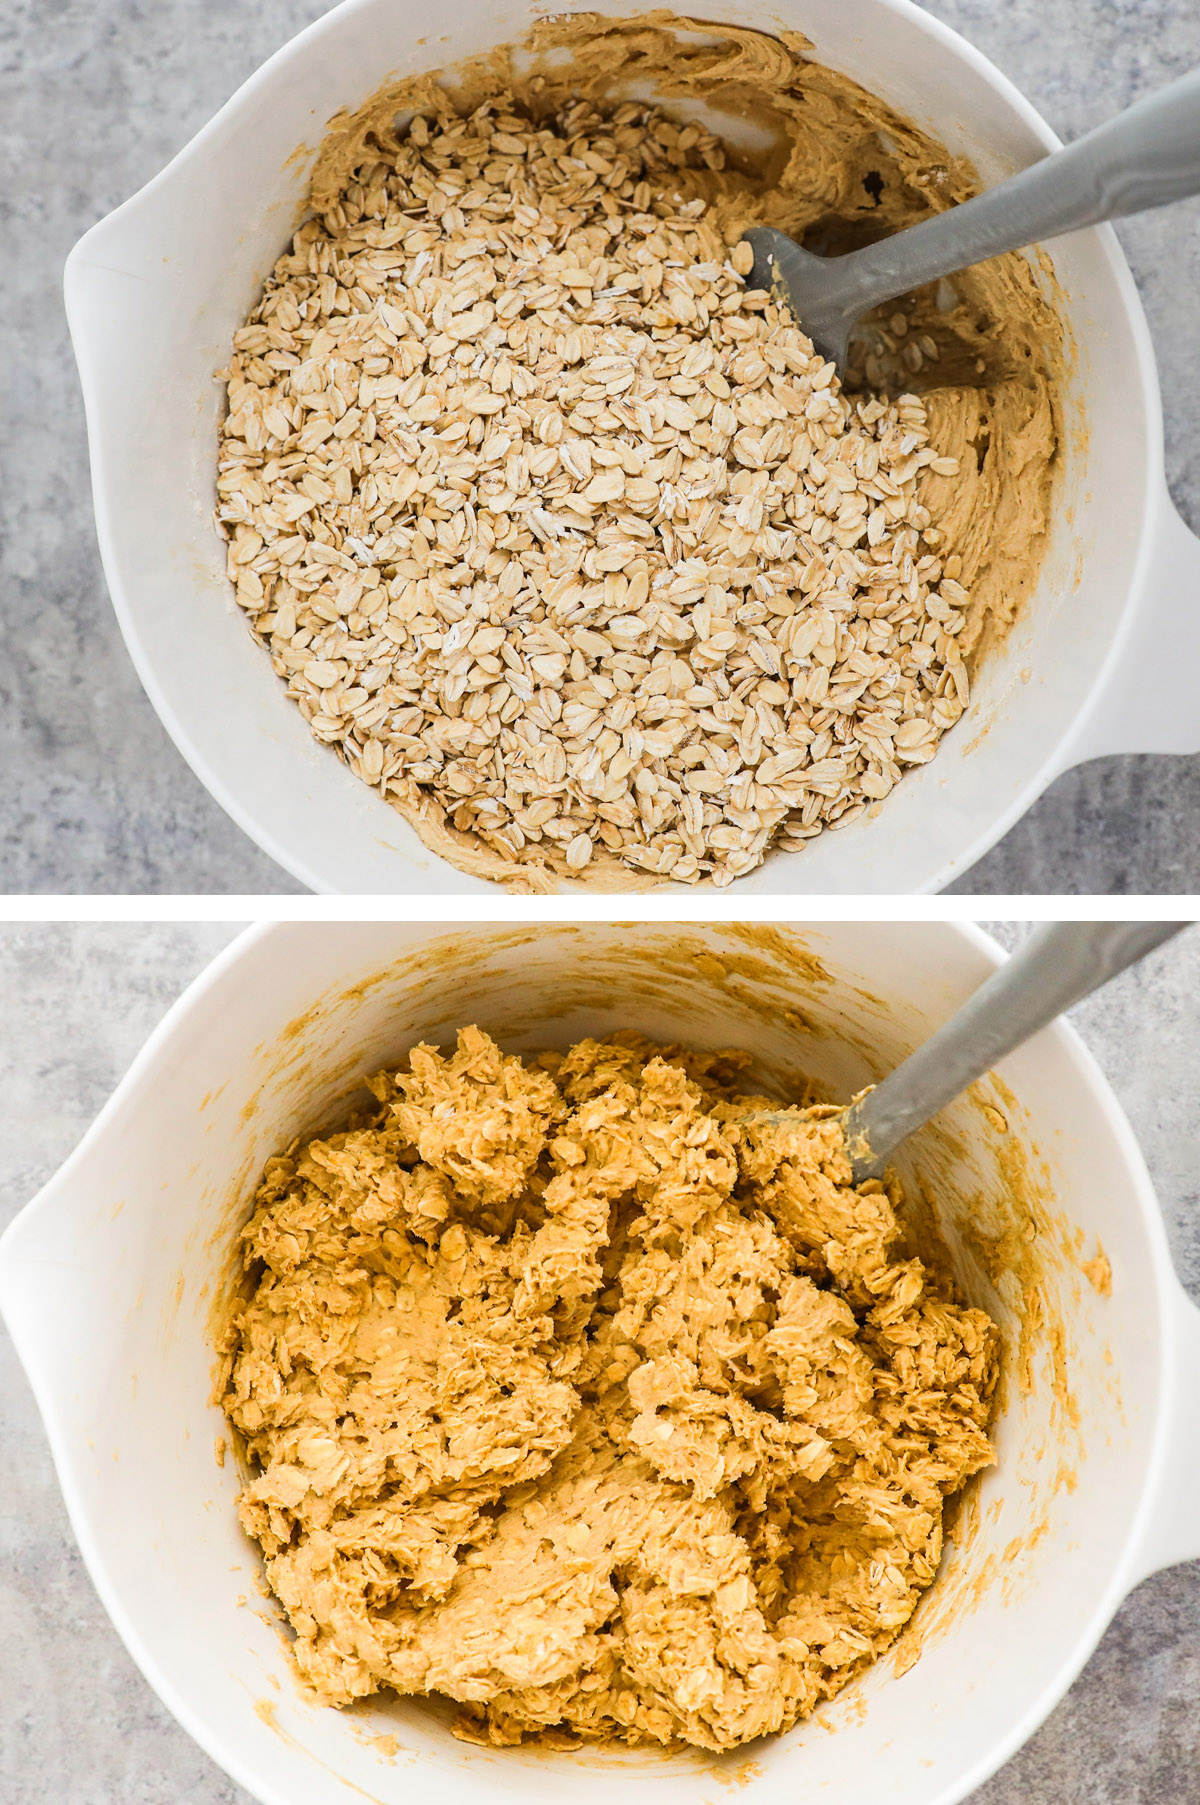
(95, 96)
(79, 1726)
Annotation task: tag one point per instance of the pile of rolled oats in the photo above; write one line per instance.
(565, 539)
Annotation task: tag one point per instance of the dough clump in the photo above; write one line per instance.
(576, 1391)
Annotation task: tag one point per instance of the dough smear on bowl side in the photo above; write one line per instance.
(573, 1391)
(568, 543)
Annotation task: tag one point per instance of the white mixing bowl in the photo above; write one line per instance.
(1105, 659)
(108, 1279)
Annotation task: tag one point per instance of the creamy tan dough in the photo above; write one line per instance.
(573, 1390)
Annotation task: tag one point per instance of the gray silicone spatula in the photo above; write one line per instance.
(1057, 966)
(1144, 158)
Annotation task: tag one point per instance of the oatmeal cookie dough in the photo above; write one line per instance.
(813, 153)
(571, 609)
(572, 1390)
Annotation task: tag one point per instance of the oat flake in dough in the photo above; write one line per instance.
(576, 1394)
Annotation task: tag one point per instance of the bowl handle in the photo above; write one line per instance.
(1171, 1531)
(1148, 697)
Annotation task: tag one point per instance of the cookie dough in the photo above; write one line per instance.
(572, 1389)
(812, 152)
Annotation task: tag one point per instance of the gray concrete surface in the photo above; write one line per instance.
(95, 95)
(79, 1726)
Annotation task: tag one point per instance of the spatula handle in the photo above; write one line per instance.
(1147, 156)
(1057, 966)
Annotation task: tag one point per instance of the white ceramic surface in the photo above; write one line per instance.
(155, 291)
(107, 1282)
